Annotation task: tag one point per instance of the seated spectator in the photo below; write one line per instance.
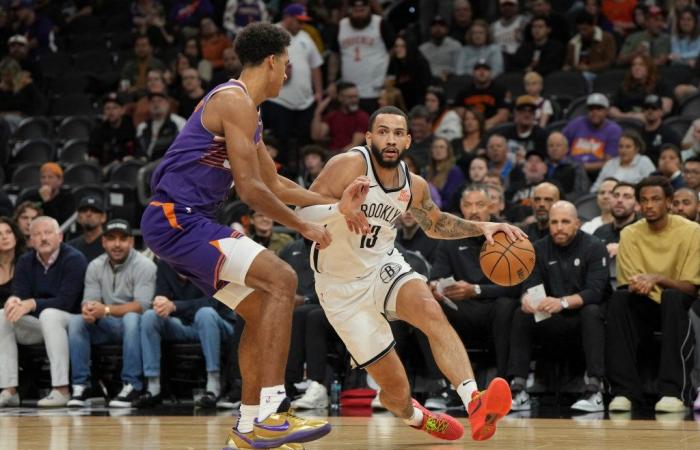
(391, 96)
(631, 165)
(641, 80)
(656, 134)
(11, 248)
(570, 174)
(483, 308)
(344, 127)
(466, 147)
(446, 122)
(213, 42)
(525, 136)
(54, 201)
(412, 237)
(624, 212)
(23, 215)
(652, 42)
(155, 135)
(484, 95)
(594, 8)
(19, 97)
(685, 39)
(191, 58)
(314, 160)
(685, 204)
(539, 53)
(658, 275)
(442, 171)
(140, 109)
(231, 68)
(497, 154)
(119, 287)
(462, 17)
(239, 13)
(543, 197)
(440, 50)
(533, 87)
(498, 202)
(191, 93)
(409, 71)
(591, 50)
(149, 19)
(45, 291)
(593, 138)
(691, 141)
(133, 73)
(187, 14)
(478, 47)
(421, 136)
(572, 268)
(182, 313)
(557, 22)
(412, 167)
(670, 165)
(523, 181)
(18, 49)
(691, 173)
(604, 202)
(35, 26)
(478, 169)
(113, 140)
(91, 217)
(507, 29)
(263, 234)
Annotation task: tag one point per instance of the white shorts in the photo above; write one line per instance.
(359, 309)
(239, 254)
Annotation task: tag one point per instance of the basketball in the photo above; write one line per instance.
(507, 262)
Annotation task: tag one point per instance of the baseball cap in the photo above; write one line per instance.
(535, 153)
(113, 97)
(118, 226)
(154, 94)
(482, 63)
(18, 39)
(525, 101)
(296, 10)
(654, 10)
(597, 99)
(653, 101)
(91, 202)
(438, 20)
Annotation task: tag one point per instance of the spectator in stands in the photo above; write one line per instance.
(391, 96)
(561, 168)
(651, 42)
(149, 19)
(119, 287)
(442, 171)
(624, 212)
(133, 74)
(446, 122)
(189, 13)
(55, 202)
(525, 135)
(485, 95)
(11, 248)
(523, 181)
(361, 53)
(685, 39)
(412, 237)
(542, 53)
(155, 135)
(483, 308)
(23, 215)
(685, 204)
(691, 141)
(594, 8)
(91, 217)
(674, 8)
(557, 22)
(462, 17)
(621, 14)
(497, 153)
(543, 197)
(498, 202)
(191, 93)
(231, 68)
(19, 97)
(140, 110)
(572, 268)
(441, 50)
(656, 133)
(591, 50)
(213, 42)
(113, 140)
(239, 13)
(631, 164)
(658, 276)
(263, 234)
(192, 53)
(36, 27)
(544, 111)
(507, 30)
(670, 165)
(46, 289)
(421, 136)
(593, 138)
(604, 202)
(18, 49)
(409, 71)
(641, 80)
(314, 160)
(182, 313)
(478, 169)
(478, 47)
(344, 127)
(471, 141)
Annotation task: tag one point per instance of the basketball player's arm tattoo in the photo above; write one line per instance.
(438, 224)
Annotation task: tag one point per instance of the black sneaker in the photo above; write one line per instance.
(148, 400)
(230, 400)
(207, 401)
(84, 396)
(127, 398)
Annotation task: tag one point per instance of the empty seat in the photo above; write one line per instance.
(26, 175)
(126, 173)
(33, 151)
(69, 83)
(73, 151)
(691, 106)
(565, 84)
(54, 64)
(676, 74)
(93, 61)
(609, 81)
(124, 204)
(82, 173)
(633, 124)
(679, 124)
(513, 82)
(587, 207)
(33, 128)
(557, 125)
(454, 84)
(143, 185)
(576, 108)
(75, 127)
(72, 104)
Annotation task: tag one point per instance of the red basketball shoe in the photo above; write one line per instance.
(441, 426)
(488, 407)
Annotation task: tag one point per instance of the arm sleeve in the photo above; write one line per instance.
(496, 291)
(162, 286)
(496, 61)
(21, 283)
(70, 285)
(186, 309)
(628, 258)
(145, 284)
(612, 141)
(597, 274)
(535, 277)
(93, 290)
(319, 214)
(691, 266)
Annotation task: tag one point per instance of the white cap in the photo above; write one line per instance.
(597, 99)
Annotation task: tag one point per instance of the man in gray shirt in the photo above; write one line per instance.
(119, 286)
(441, 50)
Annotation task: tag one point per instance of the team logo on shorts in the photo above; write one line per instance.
(389, 271)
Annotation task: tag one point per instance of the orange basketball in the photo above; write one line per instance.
(507, 262)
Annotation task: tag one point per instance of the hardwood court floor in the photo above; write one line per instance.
(64, 432)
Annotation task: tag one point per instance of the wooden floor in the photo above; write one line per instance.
(63, 432)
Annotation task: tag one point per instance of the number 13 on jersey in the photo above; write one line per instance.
(368, 240)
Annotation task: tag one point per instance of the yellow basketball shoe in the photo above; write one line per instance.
(283, 427)
(237, 440)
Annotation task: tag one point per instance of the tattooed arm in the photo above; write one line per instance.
(441, 225)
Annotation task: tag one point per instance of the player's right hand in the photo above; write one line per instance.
(349, 206)
(316, 233)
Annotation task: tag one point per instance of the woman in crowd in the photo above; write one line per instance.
(478, 47)
(691, 141)
(19, 97)
(478, 169)
(409, 71)
(685, 40)
(11, 247)
(442, 171)
(466, 147)
(446, 122)
(390, 96)
(630, 165)
(25, 212)
(641, 79)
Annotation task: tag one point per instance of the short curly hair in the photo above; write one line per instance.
(259, 40)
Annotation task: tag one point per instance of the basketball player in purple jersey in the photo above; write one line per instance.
(221, 143)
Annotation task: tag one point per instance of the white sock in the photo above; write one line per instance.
(465, 390)
(213, 383)
(246, 416)
(154, 385)
(270, 399)
(416, 419)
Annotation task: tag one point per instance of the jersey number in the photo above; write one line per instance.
(357, 54)
(368, 240)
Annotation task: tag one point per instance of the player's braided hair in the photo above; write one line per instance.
(259, 40)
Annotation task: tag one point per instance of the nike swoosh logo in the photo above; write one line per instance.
(296, 253)
(461, 248)
(281, 427)
(551, 263)
(373, 185)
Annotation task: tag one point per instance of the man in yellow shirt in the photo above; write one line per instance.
(658, 270)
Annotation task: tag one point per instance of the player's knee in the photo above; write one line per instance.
(430, 312)
(283, 282)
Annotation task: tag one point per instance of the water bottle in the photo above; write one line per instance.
(335, 395)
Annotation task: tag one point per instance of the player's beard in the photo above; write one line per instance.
(380, 158)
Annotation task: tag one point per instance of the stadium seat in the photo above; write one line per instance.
(679, 124)
(587, 207)
(609, 81)
(556, 126)
(69, 83)
(5, 133)
(72, 104)
(633, 124)
(54, 64)
(85, 25)
(73, 151)
(143, 184)
(32, 151)
(75, 127)
(691, 106)
(36, 127)
(124, 204)
(26, 175)
(30, 193)
(513, 82)
(498, 129)
(82, 173)
(126, 173)
(676, 74)
(93, 190)
(576, 108)
(565, 84)
(453, 85)
(93, 61)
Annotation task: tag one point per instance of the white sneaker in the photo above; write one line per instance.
(620, 403)
(376, 403)
(54, 400)
(670, 405)
(591, 402)
(126, 398)
(521, 401)
(7, 399)
(315, 397)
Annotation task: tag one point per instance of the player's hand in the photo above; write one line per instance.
(460, 291)
(490, 228)
(526, 306)
(349, 206)
(550, 305)
(316, 233)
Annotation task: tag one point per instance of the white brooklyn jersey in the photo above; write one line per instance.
(352, 256)
(364, 56)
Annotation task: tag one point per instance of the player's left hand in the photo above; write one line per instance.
(349, 206)
(461, 290)
(490, 228)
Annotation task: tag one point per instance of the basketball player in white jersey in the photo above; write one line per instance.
(362, 280)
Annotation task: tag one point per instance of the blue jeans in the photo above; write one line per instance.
(108, 330)
(208, 328)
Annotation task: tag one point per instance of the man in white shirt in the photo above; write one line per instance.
(507, 31)
(441, 50)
